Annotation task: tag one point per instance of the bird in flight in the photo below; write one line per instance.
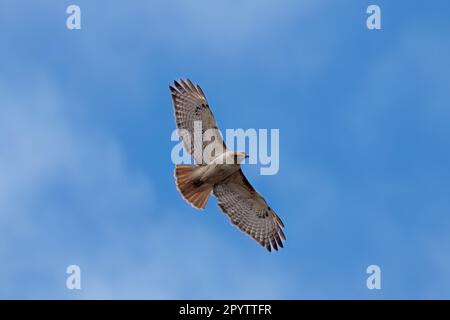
(218, 171)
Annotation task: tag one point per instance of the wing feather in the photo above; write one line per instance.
(249, 211)
(190, 106)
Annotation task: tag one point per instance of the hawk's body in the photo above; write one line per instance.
(219, 171)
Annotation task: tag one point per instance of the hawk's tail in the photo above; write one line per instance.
(191, 187)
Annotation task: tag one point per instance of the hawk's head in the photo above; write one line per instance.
(239, 157)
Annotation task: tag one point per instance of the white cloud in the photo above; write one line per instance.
(67, 196)
(57, 179)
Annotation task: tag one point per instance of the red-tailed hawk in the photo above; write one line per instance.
(219, 170)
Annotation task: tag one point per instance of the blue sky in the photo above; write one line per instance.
(85, 169)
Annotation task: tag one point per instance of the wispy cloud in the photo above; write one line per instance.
(85, 123)
(69, 197)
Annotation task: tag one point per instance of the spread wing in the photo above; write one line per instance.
(192, 112)
(249, 211)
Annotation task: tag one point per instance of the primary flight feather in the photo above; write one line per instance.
(219, 171)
